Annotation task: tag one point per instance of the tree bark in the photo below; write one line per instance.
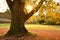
(17, 25)
(18, 17)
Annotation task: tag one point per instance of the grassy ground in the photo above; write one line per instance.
(4, 25)
(47, 31)
(35, 26)
(38, 26)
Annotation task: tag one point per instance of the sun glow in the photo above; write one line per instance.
(29, 8)
(3, 6)
(57, 1)
(37, 13)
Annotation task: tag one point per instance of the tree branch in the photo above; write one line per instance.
(10, 3)
(34, 10)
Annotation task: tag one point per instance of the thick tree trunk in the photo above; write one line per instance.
(17, 27)
(19, 17)
(17, 20)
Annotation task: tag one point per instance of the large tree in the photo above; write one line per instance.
(18, 16)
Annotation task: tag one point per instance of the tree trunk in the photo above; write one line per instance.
(17, 20)
(19, 17)
(17, 26)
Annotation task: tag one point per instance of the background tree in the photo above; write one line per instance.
(49, 11)
(18, 16)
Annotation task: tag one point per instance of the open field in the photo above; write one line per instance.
(51, 31)
(33, 26)
(38, 26)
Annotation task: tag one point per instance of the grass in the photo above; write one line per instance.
(38, 26)
(35, 26)
(4, 25)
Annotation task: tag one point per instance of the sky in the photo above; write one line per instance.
(56, 0)
(4, 6)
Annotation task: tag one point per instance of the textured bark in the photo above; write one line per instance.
(18, 17)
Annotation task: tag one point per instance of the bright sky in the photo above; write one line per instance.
(29, 8)
(56, 0)
(4, 7)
